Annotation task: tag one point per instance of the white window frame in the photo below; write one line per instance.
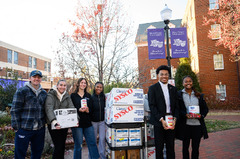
(213, 4)
(215, 62)
(214, 31)
(153, 74)
(221, 92)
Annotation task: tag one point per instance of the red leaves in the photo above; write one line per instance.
(228, 16)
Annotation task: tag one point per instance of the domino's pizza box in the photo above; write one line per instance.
(125, 96)
(124, 114)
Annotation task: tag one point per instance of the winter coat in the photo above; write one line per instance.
(181, 122)
(52, 103)
(98, 107)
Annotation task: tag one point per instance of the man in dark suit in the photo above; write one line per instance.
(162, 98)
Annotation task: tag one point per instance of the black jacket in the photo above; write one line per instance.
(98, 107)
(85, 118)
(181, 122)
(157, 103)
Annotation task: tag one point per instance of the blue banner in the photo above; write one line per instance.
(156, 46)
(179, 43)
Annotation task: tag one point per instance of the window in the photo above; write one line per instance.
(15, 57)
(9, 56)
(218, 62)
(49, 66)
(34, 62)
(213, 4)
(153, 74)
(30, 61)
(45, 66)
(216, 31)
(221, 91)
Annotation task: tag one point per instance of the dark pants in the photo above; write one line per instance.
(164, 136)
(59, 139)
(22, 140)
(194, 133)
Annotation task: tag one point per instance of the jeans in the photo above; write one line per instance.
(59, 139)
(100, 127)
(22, 140)
(90, 140)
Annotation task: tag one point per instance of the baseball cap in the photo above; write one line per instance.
(36, 72)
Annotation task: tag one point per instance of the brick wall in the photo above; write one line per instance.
(209, 77)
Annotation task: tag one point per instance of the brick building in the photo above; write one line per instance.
(14, 60)
(147, 68)
(217, 75)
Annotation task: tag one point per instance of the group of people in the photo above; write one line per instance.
(164, 100)
(33, 107)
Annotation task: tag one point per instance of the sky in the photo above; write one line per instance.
(36, 25)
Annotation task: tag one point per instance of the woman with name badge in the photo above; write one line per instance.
(191, 125)
(57, 98)
(82, 101)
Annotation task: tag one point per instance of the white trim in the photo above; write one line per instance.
(21, 68)
(20, 50)
(214, 62)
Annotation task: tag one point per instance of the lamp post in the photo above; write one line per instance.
(166, 15)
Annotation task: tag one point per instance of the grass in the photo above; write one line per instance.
(219, 125)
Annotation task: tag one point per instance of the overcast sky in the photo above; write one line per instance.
(36, 25)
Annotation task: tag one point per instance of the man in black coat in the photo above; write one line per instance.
(162, 98)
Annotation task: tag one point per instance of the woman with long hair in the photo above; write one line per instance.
(82, 101)
(98, 98)
(57, 98)
(191, 127)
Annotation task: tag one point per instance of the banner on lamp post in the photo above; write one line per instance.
(156, 46)
(179, 44)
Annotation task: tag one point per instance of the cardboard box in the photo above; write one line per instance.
(134, 132)
(124, 114)
(119, 154)
(110, 135)
(120, 142)
(121, 133)
(133, 154)
(135, 141)
(125, 96)
(151, 152)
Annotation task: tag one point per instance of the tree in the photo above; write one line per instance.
(228, 16)
(184, 70)
(100, 43)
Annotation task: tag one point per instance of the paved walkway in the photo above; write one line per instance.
(220, 145)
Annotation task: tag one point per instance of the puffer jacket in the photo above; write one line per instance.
(52, 103)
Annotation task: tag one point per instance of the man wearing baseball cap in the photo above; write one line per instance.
(28, 117)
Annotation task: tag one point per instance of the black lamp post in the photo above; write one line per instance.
(166, 15)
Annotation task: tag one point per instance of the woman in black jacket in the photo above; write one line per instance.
(189, 126)
(98, 99)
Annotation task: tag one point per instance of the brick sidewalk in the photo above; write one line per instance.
(220, 145)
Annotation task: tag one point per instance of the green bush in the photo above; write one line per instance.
(6, 94)
(184, 70)
(5, 120)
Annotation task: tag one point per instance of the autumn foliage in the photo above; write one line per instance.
(227, 14)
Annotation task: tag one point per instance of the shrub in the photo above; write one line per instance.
(230, 103)
(5, 120)
(184, 70)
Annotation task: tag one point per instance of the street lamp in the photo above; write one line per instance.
(166, 15)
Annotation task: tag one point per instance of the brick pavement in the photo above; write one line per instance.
(220, 145)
